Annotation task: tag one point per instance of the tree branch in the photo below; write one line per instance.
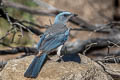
(18, 23)
(17, 50)
(99, 43)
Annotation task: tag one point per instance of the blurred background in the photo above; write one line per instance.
(95, 32)
(94, 12)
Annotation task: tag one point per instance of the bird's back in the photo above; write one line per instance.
(56, 28)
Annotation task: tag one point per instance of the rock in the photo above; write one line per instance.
(113, 69)
(86, 70)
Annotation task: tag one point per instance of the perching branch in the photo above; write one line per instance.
(99, 43)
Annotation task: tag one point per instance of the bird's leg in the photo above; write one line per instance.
(39, 53)
(59, 52)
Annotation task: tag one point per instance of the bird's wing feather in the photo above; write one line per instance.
(40, 41)
(53, 37)
(53, 41)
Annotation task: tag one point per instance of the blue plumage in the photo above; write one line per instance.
(39, 64)
(33, 69)
(53, 37)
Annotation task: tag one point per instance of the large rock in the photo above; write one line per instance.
(86, 70)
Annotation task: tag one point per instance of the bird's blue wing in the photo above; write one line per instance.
(47, 44)
(53, 41)
(40, 41)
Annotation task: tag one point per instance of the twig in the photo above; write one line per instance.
(50, 22)
(114, 44)
(14, 33)
(17, 24)
(8, 32)
(79, 47)
(88, 47)
(6, 45)
(110, 59)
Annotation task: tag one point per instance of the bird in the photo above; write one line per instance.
(53, 38)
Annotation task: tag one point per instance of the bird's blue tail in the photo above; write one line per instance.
(35, 67)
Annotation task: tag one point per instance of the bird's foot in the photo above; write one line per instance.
(60, 59)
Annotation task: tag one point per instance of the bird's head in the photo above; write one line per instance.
(63, 17)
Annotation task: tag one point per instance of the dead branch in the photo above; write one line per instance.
(17, 50)
(18, 24)
(6, 34)
(81, 46)
(77, 47)
(110, 59)
(110, 69)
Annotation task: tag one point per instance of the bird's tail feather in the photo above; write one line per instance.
(35, 67)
